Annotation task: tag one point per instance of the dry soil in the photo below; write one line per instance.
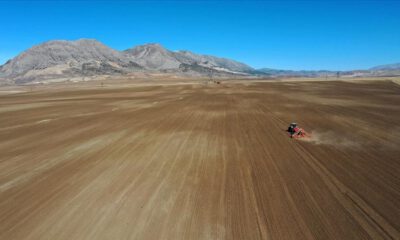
(199, 161)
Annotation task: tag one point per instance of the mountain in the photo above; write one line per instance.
(66, 58)
(395, 66)
(155, 57)
(88, 57)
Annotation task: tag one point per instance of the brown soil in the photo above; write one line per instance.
(200, 161)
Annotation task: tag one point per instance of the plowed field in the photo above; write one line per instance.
(198, 161)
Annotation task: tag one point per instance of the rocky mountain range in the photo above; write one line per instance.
(87, 57)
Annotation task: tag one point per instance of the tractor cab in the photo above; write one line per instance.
(291, 128)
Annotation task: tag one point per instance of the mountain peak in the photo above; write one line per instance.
(153, 56)
(155, 46)
(87, 40)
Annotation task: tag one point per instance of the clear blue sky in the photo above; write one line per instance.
(334, 35)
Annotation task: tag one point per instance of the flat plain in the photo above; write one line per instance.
(201, 161)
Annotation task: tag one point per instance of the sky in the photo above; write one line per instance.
(297, 35)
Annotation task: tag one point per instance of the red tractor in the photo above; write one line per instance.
(296, 132)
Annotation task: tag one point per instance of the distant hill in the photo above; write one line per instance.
(383, 70)
(88, 57)
(395, 66)
(292, 73)
(386, 70)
